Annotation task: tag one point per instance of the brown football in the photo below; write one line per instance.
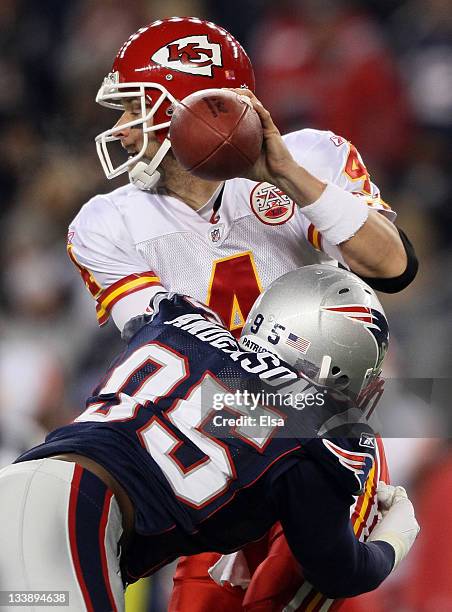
(215, 134)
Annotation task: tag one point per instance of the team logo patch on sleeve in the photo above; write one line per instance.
(358, 463)
(271, 205)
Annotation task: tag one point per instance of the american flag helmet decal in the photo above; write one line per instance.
(297, 342)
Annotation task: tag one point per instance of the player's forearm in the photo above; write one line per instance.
(351, 567)
(315, 515)
(375, 248)
(333, 559)
(354, 568)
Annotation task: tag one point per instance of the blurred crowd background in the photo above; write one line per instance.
(377, 72)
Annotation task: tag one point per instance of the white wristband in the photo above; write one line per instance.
(337, 214)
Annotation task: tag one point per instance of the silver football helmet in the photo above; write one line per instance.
(324, 321)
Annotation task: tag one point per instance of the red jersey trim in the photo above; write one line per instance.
(125, 286)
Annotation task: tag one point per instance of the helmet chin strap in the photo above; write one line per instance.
(145, 175)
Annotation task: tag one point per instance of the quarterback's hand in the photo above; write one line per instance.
(275, 159)
(398, 525)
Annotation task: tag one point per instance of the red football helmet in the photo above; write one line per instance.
(160, 64)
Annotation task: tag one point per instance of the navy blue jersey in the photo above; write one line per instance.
(156, 423)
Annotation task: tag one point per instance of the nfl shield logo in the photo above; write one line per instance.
(215, 233)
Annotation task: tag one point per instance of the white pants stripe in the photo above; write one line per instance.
(35, 552)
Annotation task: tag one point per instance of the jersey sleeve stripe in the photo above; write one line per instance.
(384, 471)
(315, 237)
(125, 286)
(308, 598)
(314, 604)
(369, 514)
(366, 495)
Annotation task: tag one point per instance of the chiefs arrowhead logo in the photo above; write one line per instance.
(192, 54)
(271, 205)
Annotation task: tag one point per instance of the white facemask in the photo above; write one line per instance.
(142, 173)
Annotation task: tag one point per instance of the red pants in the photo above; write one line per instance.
(277, 579)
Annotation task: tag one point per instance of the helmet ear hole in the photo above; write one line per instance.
(335, 370)
(344, 290)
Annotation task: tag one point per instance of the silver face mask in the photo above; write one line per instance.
(325, 322)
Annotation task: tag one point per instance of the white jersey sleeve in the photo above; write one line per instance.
(332, 158)
(113, 271)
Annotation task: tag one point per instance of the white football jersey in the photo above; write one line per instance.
(128, 243)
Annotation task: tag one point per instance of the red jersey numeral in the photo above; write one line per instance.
(356, 170)
(91, 284)
(234, 287)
